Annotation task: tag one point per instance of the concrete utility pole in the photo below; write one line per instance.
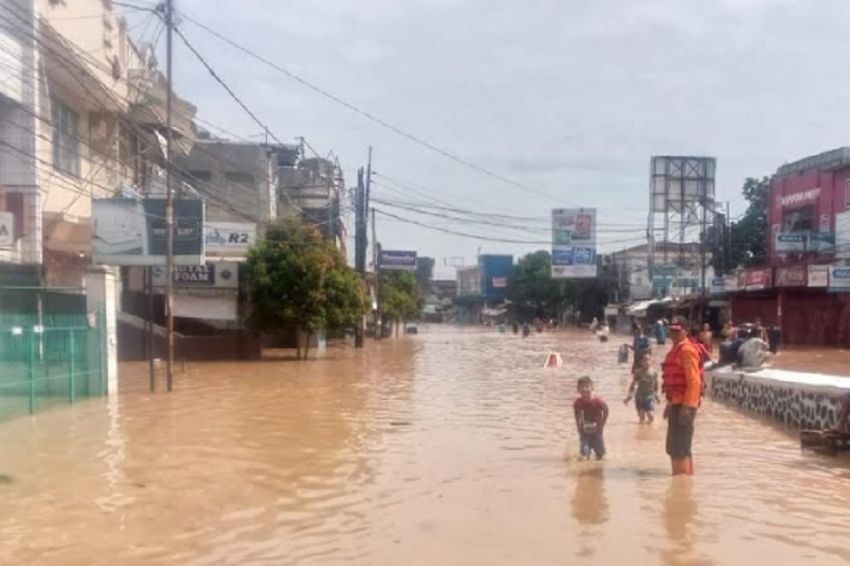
(359, 246)
(376, 255)
(169, 201)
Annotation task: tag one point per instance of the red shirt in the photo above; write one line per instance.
(591, 414)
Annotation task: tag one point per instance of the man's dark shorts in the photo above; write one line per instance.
(679, 437)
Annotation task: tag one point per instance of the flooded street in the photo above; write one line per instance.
(451, 447)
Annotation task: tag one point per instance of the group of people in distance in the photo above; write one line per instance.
(682, 383)
(748, 345)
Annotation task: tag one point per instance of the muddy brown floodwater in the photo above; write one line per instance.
(454, 447)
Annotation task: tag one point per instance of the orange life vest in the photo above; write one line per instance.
(673, 371)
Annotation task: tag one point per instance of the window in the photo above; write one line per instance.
(799, 219)
(244, 179)
(66, 143)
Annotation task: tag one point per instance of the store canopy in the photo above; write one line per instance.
(639, 308)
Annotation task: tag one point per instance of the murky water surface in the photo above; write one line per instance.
(453, 447)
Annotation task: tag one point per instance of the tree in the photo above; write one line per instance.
(534, 291)
(749, 234)
(424, 273)
(399, 298)
(294, 277)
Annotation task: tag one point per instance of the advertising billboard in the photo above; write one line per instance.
(397, 260)
(818, 276)
(791, 276)
(211, 275)
(573, 242)
(229, 239)
(839, 278)
(758, 278)
(133, 232)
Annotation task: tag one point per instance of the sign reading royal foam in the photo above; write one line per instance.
(839, 278)
(133, 232)
(573, 242)
(219, 275)
(397, 260)
(7, 230)
(229, 239)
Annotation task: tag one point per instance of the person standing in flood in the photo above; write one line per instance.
(682, 385)
(660, 332)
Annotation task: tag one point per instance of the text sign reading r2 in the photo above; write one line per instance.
(397, 260)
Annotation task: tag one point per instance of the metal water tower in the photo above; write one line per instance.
(681, 193)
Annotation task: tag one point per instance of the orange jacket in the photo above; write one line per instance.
(681, 376)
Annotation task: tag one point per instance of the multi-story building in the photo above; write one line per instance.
(805, 286)
(79, 107)
(680, 275)
(312, 190)
(481, 288)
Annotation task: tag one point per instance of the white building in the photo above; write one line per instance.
(680, 275)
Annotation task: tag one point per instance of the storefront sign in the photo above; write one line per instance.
(718, 285)
(818, 276)
(219, 275)
(7, 230)
(790, 242)
(133, 232)
(229, 239)
(839, 278)
(791, 276)
(500, 282)
(397, 260)
(822, 242)
(757, 279)
(802, 197)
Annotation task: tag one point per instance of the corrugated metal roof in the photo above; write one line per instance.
(831, 159)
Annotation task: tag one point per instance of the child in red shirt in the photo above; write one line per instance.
(591, 413)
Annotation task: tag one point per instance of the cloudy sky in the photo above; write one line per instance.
(568, 98)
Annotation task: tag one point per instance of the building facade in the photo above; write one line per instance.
(312, 190)
(681, 274)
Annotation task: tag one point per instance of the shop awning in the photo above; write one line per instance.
(639, 308)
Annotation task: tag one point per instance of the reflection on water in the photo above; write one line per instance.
(451, 447)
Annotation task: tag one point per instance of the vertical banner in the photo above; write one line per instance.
(573, 242)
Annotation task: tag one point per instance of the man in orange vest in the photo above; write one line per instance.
(682, 385)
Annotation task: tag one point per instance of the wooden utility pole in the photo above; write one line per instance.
(169, 201)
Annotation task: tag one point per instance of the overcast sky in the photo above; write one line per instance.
(570, 98)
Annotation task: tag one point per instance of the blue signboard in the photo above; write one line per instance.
(397, 260)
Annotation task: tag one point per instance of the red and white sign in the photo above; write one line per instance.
(791, 276)
(500, 282)
(796, 199)
(756, 279)
(818, 276)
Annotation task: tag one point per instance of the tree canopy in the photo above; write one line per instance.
(295, 277)
(749, 234)
(400, 297)
(424, 273)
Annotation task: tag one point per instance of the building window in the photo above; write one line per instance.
(66, 142)
(799, 219)
(244, 179)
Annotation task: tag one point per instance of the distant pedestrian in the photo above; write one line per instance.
(526, 329)
(591, 414)
(640, 346)
(644, 389)
(594, 324)
(603, 332)
(774, 338)
(660, 332)
(705, 337)
(515, 327)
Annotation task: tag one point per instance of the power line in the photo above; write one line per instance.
(368, 115)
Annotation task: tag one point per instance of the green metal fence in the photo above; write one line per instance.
(53, 353)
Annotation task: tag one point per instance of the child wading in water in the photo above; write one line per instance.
(591, 412)
(644, 390)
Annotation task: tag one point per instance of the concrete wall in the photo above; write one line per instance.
(796, 399)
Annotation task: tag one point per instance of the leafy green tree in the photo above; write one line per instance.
(295, 277)
(750, 233)
(400, 298)
(424, 273)
(534, 291)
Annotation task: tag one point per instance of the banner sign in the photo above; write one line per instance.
(229, 239)
(573, 242)
(218, 275)
(757, 279)
(791, 276)
(500, 282)
(718, 285)
(839, 278)
(397, 260)
(818, 276)
(133, 232)
(7, 230)
(790, 242)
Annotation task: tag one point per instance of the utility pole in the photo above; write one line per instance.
(169, 200)
(359, 246)
(728, 240)
(376, 257)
